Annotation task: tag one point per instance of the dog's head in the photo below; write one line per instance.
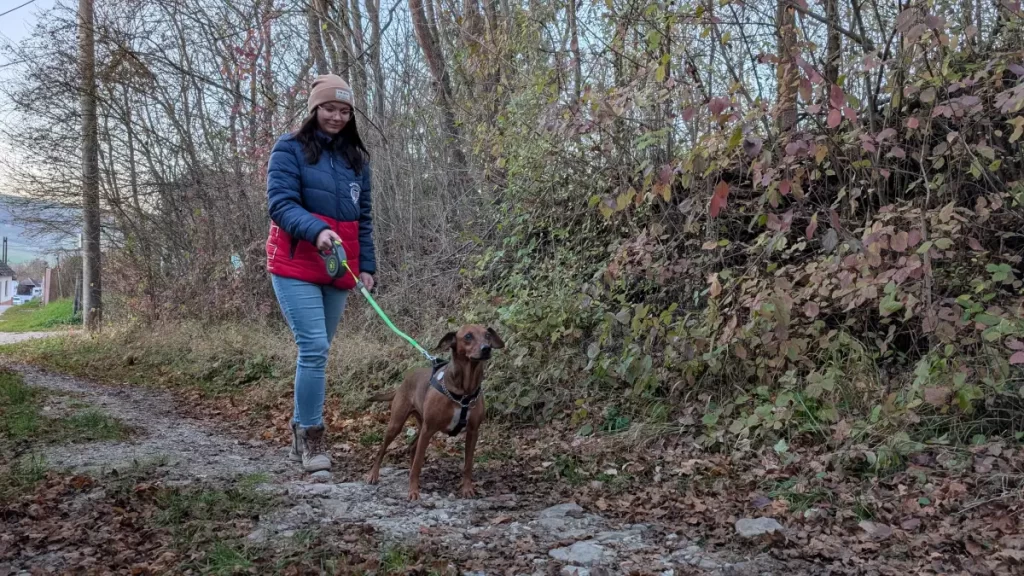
(471, 342)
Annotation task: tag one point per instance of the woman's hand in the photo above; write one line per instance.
(325, 241)
(367, 280)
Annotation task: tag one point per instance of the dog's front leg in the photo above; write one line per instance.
(467, 490)
(476, 418)
(422, 441)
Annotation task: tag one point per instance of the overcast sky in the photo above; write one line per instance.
(15, 25)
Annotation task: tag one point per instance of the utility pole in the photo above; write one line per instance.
(91, 293)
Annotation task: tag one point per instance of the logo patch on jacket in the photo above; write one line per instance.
(354, 190)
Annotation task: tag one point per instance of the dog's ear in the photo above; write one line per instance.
(496, 341)
(448, 341)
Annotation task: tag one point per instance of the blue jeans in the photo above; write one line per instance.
(313, 313)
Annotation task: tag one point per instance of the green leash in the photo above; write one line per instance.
(335, 260)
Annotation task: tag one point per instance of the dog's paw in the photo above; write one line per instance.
(467, 490)
(414, 494)
(373, 477)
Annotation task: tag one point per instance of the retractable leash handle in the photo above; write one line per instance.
(336, 262)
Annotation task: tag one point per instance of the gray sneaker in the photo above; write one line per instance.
(311, 443)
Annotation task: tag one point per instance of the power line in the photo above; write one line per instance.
(2, 14)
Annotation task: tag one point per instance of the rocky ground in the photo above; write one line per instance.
(487, 535)
(203, 485)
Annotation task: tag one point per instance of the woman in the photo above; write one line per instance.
(318, 192)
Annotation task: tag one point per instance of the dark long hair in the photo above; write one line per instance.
(347, 143)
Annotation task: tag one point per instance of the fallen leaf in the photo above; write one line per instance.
(899, 241)
(937, 396)
(811, 309)
(740, 351)
(875, 530)
(911, 524)
(913, 238)
(1017, 358)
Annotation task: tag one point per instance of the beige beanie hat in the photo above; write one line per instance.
(329, 88)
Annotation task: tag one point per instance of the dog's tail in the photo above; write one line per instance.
(383, 397)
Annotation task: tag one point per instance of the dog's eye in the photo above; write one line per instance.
(469, 337)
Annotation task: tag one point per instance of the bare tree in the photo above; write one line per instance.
(833, 50)
(429, 43)
(787, 70)
(92, 303)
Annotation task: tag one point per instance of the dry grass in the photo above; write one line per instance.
(224, 358)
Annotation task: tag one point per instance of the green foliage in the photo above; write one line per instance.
(851, 283)
(21, 417)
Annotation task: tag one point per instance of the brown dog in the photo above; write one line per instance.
(434, 410)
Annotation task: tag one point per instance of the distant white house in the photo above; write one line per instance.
(26, 291)
(7, 284)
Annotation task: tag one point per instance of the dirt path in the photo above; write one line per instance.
(15, 337)
(487, 532)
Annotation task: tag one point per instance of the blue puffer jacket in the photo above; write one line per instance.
(305, 199)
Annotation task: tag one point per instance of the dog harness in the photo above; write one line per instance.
(465, 401)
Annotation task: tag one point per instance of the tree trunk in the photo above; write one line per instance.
(92, 309)
(435, 60)
(316, 44)
(574, 46)
(373, 10)
(787, 73)
(269, 97)
(496, 57)
(859, 19)
(359, 57)
(834, 47)
(668, 115)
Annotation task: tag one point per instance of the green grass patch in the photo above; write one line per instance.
(21, 418)
(34, 317)
(396, 560)
(192, 513)
(207, 519)
(372, 438)
(227, 558)
(801, 495)
(21, 476)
